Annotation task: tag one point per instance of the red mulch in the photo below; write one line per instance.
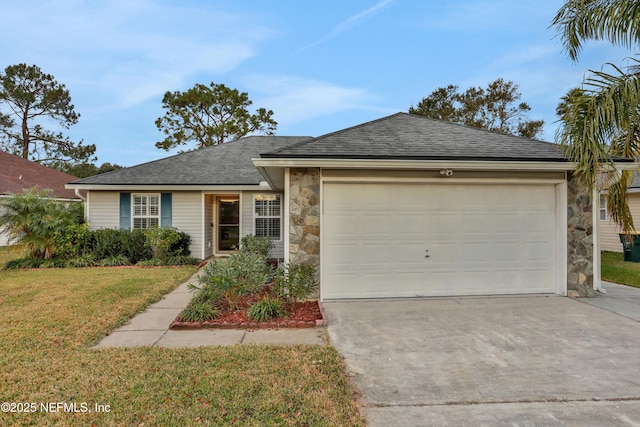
(302, 315)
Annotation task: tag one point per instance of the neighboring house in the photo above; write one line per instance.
(609, 237)
(402, 206)
(18, 174)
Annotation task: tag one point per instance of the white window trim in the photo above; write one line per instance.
(133, 209)
(272, 216)
(602, 208)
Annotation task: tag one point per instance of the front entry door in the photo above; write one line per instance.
(228, 223)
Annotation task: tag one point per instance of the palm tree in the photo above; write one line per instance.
(601, 119)
(33, 220)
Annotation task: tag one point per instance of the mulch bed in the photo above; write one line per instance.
(306, 314)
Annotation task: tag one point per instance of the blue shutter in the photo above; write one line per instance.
(165, 210)
(125, 210)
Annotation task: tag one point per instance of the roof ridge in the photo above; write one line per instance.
(326, 135)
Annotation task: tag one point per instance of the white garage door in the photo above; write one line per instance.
(406, 240)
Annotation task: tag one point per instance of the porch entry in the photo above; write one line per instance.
(226, 223)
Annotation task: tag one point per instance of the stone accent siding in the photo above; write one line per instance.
(304, 215)
(579, 240)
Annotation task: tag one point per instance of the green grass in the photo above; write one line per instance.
(52, 316)
(616, 270)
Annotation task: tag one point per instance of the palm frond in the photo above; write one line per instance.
(617, 21)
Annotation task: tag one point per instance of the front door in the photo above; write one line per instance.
(228, 223)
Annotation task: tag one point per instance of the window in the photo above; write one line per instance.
(603, 208)
(267, 215)
(146, 210)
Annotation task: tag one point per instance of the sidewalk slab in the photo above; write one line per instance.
(308, 336)
(173, 300)
(198, 338)
(154, 319)
(130, 339)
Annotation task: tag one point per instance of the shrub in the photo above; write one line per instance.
(295, 281)
(119, 242)
(257, 245)
(199, 312)
(114, 261)
(249, 270)
(265, 309)
(74, 240)
(167, 241)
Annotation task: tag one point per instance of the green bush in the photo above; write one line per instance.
(199, 312)
(73, 240)
(109, 242)
(249, 270)
(167, 242)
(294, 282)
(265, 309)
(257, 245)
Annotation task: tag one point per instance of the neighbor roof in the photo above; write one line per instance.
(409, 136)
(225, 164)
(18, 174)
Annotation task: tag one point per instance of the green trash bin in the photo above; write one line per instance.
(630, 246)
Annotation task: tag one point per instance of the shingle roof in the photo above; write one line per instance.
(408, 136)
(226, 164)
(17, 174)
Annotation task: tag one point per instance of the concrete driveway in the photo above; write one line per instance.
(523, 361)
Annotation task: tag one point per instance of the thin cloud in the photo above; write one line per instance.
(348, 23)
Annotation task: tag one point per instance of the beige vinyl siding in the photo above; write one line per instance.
(103, 209)
(4, 235)
(248, 224)
(609, 238)
(187, 217)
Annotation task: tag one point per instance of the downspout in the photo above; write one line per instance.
(80, 196)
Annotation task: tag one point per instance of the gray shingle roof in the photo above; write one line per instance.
(408, 136)
(226, 164)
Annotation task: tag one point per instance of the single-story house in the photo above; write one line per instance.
(402, 206)
(18, 174)
(609, 237)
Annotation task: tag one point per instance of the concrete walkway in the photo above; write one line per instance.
(618, 299)
(151, 328)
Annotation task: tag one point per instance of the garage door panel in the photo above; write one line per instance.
(481, 239)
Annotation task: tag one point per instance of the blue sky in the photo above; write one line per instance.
(320, 66)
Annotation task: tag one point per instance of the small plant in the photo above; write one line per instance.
(265, 309)
(199, 312)
(257, 245)
(153, 262)
(181, 260)
(81, 261)
(294, 282)
(29, 262)
(114, 261)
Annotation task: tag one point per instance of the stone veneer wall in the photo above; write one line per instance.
(579, 240)
(304, 215)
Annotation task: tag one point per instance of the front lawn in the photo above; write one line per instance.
(615, 269)
(52, 316)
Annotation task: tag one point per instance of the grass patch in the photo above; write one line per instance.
(51, 317)
(615, 269)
